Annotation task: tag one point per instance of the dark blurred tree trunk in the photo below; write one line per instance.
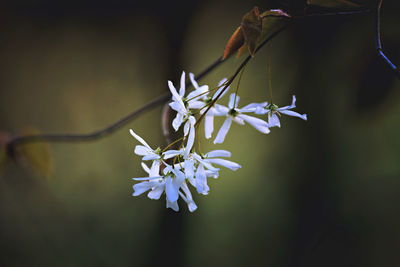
(168, 247)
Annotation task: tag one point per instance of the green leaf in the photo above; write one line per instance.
(36, 155)
(333, 3)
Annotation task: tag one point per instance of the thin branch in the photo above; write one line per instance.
(163, 98)
(107, 130)
(379, 42)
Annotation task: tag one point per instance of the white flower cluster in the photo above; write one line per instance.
(172, 170)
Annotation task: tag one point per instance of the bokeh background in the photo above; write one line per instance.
(325, 192)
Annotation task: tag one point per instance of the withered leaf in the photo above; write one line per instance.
(234, 43)
(252, 29)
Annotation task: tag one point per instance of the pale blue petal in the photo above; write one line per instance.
(294, 114)
(155, 168)
(143, 150)
(140, 139)
(172, 153)
(232, 103)
(147, 178)
(156, 192)
(223, 131)
(151, 157)
(173, 205)
(220, 110)
(273, 120)
(208, 125)
(201, 181)
(191, 136)
(140, 188)
(194, 83)
(259, 124)
(225, 163)
(194, 104)
(176, 123)
(238, 120)
(171, 190)
(182, 89)
(221, 87)
(218, 153)
(175, 95)
(145, 168)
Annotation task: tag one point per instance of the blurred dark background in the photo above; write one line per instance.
(325, 192)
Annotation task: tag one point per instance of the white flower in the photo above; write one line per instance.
(171, 182)
(233, 113)
(184, 115)
(273, 112)
(155, 182)
(197, 168)
(147, 152)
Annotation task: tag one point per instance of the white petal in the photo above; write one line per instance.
(294, 114)
(218, 153)
(259, 124)
(147, 178)
(176, 123)
(156, 192)
(257, 108)
(182, 89)
(194, 104)
(173, 205)
(152, 156)
(273, 120)
(195, 84)
(293, 105)
(225, 163)
(140, 139)
(191, 136)
(171, 190)
(220, 110)
(221, 87)
(143, 150)
(140, 188)
(145, 167)
(213, 174)
(175, 94)
(188, 198)
(223, 131)
(172, 153)
(208, 125)
(201, 181)
(238, 120)
(232, 103)
(186, 128)
(189, 168)
(155, 168)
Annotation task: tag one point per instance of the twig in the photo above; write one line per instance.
(379, 42)
(165, 97)
(105, 131)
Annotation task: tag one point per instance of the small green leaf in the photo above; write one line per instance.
(37, 155)
(333, 3)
